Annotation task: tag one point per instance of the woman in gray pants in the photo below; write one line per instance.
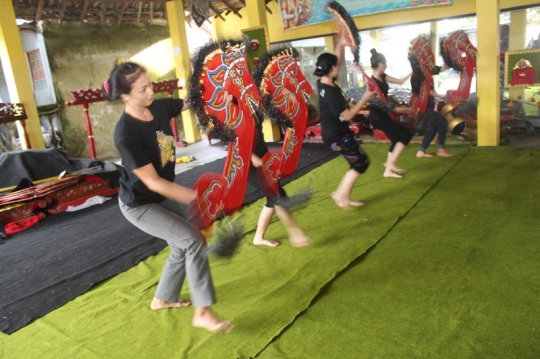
(149, 197)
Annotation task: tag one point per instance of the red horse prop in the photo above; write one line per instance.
(220, 69)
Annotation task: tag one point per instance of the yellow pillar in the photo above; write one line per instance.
(19, 84)
(516, 42)
(256, 16)
(182, 59)
(488, 73)
(256, 13)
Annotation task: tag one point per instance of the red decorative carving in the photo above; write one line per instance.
(85, 97)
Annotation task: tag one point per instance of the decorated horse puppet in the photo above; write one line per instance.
(225, 100)
(422, 64)
(459, 54)
(346, 29)
(286, 93)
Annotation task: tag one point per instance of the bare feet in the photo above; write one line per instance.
(423, 154)
(205, 319)
(389, 174)
(394, 168)
(444, 153)
(345, 203)
(298, 238)
(158, 304)
(265, 242)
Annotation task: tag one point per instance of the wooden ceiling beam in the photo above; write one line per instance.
(231, 8)
(104, 6)
(139, 12)
(39, 11)
(84, 10)
(63, 11)
(215, 11)
(122, 10)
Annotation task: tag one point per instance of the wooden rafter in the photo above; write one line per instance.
(63, 11)
(39, 11)
(84, 10)
(232, 9)
(216, 13)
(104, 5)
(122, 10)
(139, 12)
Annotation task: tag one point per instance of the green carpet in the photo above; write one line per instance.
(453, 270)
(458, 277)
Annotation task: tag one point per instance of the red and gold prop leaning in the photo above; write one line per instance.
(459, 54)
(422, 63)
(346, 29)
(220, 71)
(286, 93)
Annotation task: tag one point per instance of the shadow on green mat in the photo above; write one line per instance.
(452, 273)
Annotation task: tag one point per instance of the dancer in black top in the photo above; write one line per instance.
(398, 134)
(149, 196)
(335, 114)
(438, 125)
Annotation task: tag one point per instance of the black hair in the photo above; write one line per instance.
(324, 64)
(376, 57)
(121, 80)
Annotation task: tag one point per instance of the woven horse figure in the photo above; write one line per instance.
(422, 62)
(286, 93)
(459, 54)
(221, 71)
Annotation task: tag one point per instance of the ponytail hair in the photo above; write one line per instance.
(121, 80)
(376, 57)
(324, 64)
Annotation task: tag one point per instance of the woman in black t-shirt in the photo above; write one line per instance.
(149, 197)
(398, 134)
(335, 114)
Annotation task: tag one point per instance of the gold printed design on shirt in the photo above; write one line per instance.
(166, 147)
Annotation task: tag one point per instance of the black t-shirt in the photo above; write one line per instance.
(376, 114)
(143, 142)
(332, 102)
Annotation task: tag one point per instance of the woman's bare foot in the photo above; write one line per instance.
(394, 168)
(345, 203)
(298, 238)
(158, 304)
(205, 319)
(265, 242)
(444, 153)
(389, 174)
(423, 154)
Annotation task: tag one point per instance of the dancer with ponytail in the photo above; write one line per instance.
(335, 114)
(149, 198)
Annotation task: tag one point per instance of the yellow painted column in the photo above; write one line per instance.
(256, 16)
(488, 73)
(16, 72)
(516, 42)
(256, 13)
(182, 60)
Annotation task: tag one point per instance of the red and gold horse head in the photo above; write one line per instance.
(225, 99)
(422, 62)
(459, 54)
(286, 92)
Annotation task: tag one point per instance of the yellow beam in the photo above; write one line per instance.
(488, 73)
(177, 28)
(19, 83)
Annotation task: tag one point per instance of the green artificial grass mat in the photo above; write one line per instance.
(458, 277)
(264, 290)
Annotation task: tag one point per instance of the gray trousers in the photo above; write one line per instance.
(188, 255)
